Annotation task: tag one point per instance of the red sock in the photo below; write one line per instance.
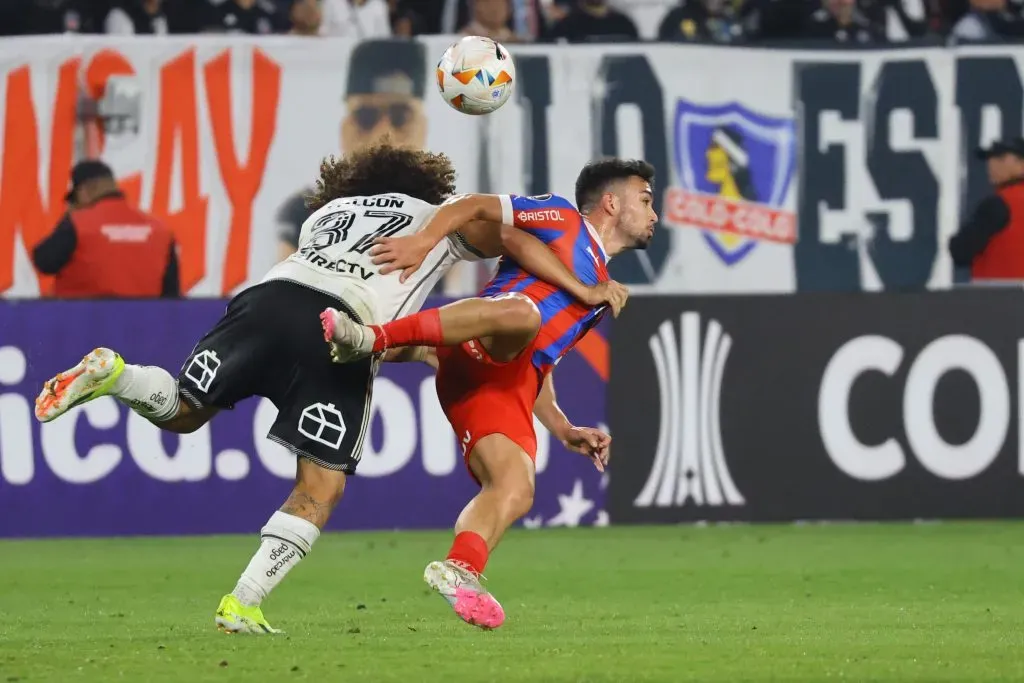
(470, 549)
(418, 329)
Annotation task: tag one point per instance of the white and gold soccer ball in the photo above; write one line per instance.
(476, 75)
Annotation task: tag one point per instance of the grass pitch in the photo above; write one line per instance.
(934, 602)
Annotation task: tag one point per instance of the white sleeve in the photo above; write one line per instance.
(383, 28)
(506, 209)
(970, 28)
(330, 22)
(118, 23)
(460, 248)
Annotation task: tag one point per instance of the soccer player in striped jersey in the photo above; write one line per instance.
(495, 353)
(267, 344)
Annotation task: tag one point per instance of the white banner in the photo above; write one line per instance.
(777, 170)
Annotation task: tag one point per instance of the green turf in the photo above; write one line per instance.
(811, 603)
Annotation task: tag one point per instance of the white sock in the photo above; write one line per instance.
(284, 541)
(150, 391)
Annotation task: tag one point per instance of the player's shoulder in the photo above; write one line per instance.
(330, 207)
(413, 203)
(547, 211)
(390, 200)
(548, 200)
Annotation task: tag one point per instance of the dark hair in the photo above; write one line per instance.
(374, 64)
(596, 176)
(382, 168)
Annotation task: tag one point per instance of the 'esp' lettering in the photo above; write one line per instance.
(866, 200)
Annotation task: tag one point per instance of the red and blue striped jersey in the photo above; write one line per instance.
(564, 320)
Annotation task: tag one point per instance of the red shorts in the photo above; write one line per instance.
(481, 396)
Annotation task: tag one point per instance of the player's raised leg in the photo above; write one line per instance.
(511, 317)
(150, 391)
(506, 476)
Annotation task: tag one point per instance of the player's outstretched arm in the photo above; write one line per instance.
(538, 259)
(490, 239)
(407, 253)
(589, 442)
(478, 219)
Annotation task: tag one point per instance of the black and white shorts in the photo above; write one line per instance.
(270, 343)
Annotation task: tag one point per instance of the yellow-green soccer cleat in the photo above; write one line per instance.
(234, 617)
(92, 378)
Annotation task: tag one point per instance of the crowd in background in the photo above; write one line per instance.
(374, 109)
(720, 21)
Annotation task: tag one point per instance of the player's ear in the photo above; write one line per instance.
(610, 202)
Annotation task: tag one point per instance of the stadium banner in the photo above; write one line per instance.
(747, 408)
(103, 470)
(778, 170)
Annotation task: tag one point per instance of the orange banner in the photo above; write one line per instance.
(29, 210)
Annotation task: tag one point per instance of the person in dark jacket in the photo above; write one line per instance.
(104, 246)
(991, 241)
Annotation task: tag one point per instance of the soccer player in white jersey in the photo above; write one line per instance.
(269, 343)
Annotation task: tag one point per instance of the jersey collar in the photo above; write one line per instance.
(597, 238)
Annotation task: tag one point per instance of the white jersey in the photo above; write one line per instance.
(333, 255)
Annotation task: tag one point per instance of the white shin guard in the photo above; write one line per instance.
(283, 542)
(148, 390)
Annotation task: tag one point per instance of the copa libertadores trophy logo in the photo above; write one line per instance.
(689, 463)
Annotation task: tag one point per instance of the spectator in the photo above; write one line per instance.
(38, 17)
(491, 19)
(555, 10)
(988, 20)
(238, 16)
(991, 242)
(405, 22)
(428, 11)
(384, 98)
(881, 13)
(594, 21)
(358, 19)
(775, 19)
(526, 18)
(183, 16)
(840, 20)
(127, 17)
(15, 17)
(104, 247)
(716, 20)
(305, 18)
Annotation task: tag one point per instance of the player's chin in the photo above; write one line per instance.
(643, 241)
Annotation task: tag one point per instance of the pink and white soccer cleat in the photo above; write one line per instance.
(462, 589)
(348, 339)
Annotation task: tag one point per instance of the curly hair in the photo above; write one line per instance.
(382, 168)
(596, 176)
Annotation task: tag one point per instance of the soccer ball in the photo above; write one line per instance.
(476, 75)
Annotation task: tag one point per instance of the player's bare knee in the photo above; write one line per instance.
(516, 495)
(518, 500)
(518, 315)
